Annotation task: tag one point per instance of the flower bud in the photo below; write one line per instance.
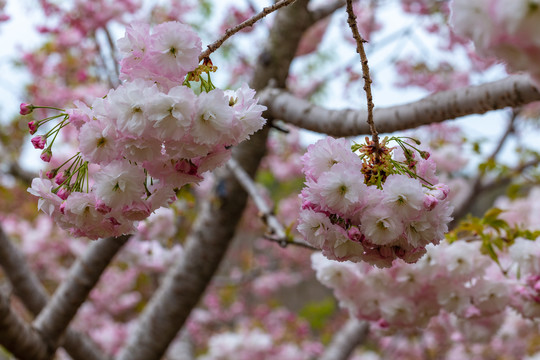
(46, 155)
(39, 141)
(26, 108)
(32, 126)
(63, 192)
(61, 178)
(51, 174)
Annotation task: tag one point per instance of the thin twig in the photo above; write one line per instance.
(112, 48)
(276, 231)
(513, 173)
(102, 61)
(478, 188)
(249, 22)
(351, 20)
(286, 242)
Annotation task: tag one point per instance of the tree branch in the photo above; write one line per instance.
(33, 295)
(351, 20)
(515, 90)
(328, 9)
(267, 214)
(18, 337)
(73, 291)
(249, 22)
(477, 189)
(276, 231)
(352, 334)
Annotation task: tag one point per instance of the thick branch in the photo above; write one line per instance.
(33, 295)
(352, 334)
(515, 90)
(17, 336)
(327, 9)
(73, 291)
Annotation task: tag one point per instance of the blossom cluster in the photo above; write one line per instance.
(451, 279)
(359, 210)
(145, 139)
(503, 29)
(454, 278)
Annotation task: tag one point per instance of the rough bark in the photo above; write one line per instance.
(18, 337)
(352, 334)
(84, 274)
(214, 229)
(29, 290)
(515, 90)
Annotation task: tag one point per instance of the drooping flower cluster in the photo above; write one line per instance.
(151, 135)
(453, 278)
(386, 205)
(505, 29)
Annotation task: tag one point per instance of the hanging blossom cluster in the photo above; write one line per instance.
(454, 279)
(383, 204)
(505, 29)
(147, 138)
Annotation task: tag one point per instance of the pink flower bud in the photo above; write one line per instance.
(46, 155)
(430, 202)
(32, 126)
(355, 234)
(26, 108)
(51, 174)
(63, 193)
(63, 208)
(61, 178)
(441, 191)
(39, 141)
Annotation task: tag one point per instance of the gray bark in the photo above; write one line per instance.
(515, 90)
(34, 297)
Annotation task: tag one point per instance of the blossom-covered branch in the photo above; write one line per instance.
(249, 22)
(18, 337)
(515, 90)
(69, 296)
(33, 295)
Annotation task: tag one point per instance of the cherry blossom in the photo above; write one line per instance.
(149, 136)
(351, 215)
